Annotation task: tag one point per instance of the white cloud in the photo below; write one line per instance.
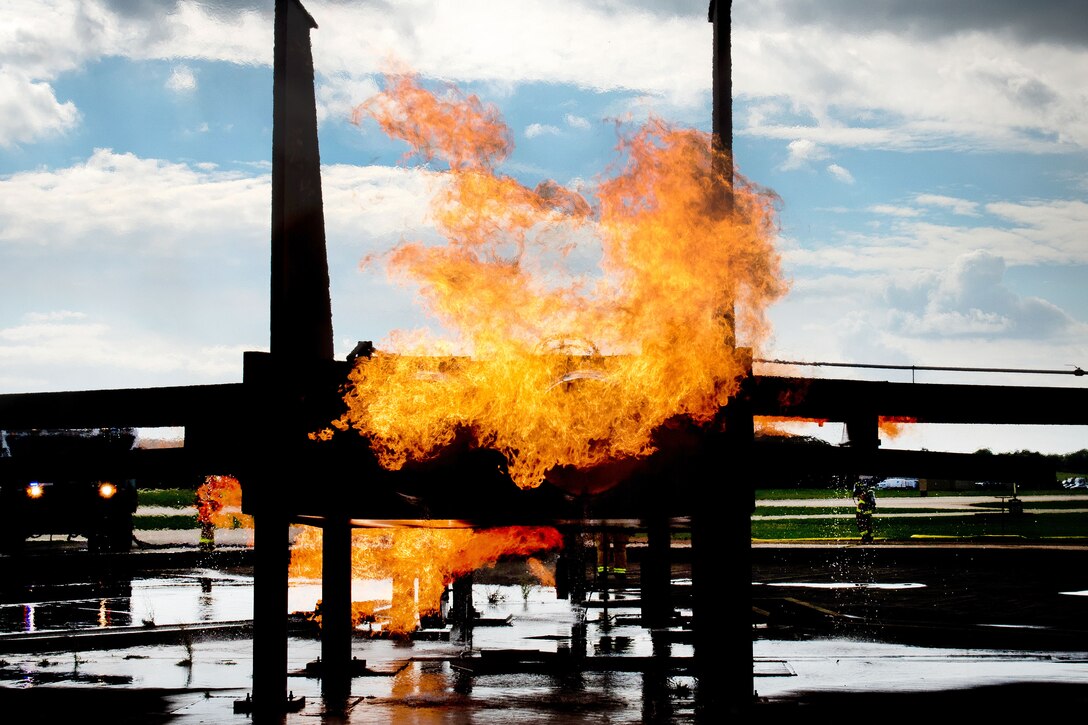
(963, 207)
(152, 272)
(338, 96)
(840, 173)
(828, 136)
(894, 210)
(41, 40)
(76, 351)
(114, 201)
(368, 205)
(539, 129)
(54, 316)
(1021, 233)
(970, 298)
(894, 88)
(576, 121)
(801, 152)
(566, 41)
(30, 111)
(182, 80)
(887, 87)
(962, 314)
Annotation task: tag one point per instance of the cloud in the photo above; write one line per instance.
(30, 111)
(39, 44)
(960, 310)
(894, 211)
(896, 74)
(840, 173)
(596, 46)
(117, 201)
(54, 316)
(366, 206)
(971, 299)
(337, 96)
(880, 76)
(1045, 21)
(181, 80)
(539, 129)
(1046, 230)
(908, 240)
(801, 152)
(963, 207)
(117, 258)
(38, 355)
(853, 137)
(576, 121)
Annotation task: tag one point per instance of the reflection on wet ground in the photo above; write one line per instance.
(403, 680)
(167, 598)
(183, 635)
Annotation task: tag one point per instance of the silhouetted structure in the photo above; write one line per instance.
(697, 480)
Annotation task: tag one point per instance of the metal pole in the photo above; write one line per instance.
(336, 620)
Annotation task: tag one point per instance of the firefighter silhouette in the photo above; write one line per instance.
(612, 555)
(863, 512)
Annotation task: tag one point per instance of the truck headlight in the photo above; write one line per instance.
(106, 489)
(34, 489)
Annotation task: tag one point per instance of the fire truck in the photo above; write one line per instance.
(44, 492)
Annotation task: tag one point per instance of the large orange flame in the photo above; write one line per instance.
(422, 561)
(580, 323)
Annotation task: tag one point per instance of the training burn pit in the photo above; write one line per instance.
(581, 321)
(587, 330)
(590, 343)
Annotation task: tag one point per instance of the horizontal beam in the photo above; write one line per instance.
(840, 400)
(809, 398)
(120, 408)
(470, 485)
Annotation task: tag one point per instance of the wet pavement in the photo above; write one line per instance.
(834, 625)
(183, 635)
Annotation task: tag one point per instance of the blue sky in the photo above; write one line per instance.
(930, 157)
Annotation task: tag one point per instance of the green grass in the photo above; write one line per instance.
(796, 493)
(1048, 505)
(164, 523)
(971, 526)
(170, 497)
(803, 510)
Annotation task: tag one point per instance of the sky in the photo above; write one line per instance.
(931, 158)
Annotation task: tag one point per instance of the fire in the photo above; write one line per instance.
(892, 425)
(769, 424)
(219, 503)
(580, 322)
(538, 569)
(421, 562)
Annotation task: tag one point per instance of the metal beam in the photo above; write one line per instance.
(841, 400)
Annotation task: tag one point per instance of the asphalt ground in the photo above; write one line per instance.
(997, 630)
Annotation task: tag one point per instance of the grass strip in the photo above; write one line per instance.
(977, 526)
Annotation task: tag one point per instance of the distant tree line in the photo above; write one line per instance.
(1076, 462)
(791, 477)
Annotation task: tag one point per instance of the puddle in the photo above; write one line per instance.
(844, 585)
(839, 664)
